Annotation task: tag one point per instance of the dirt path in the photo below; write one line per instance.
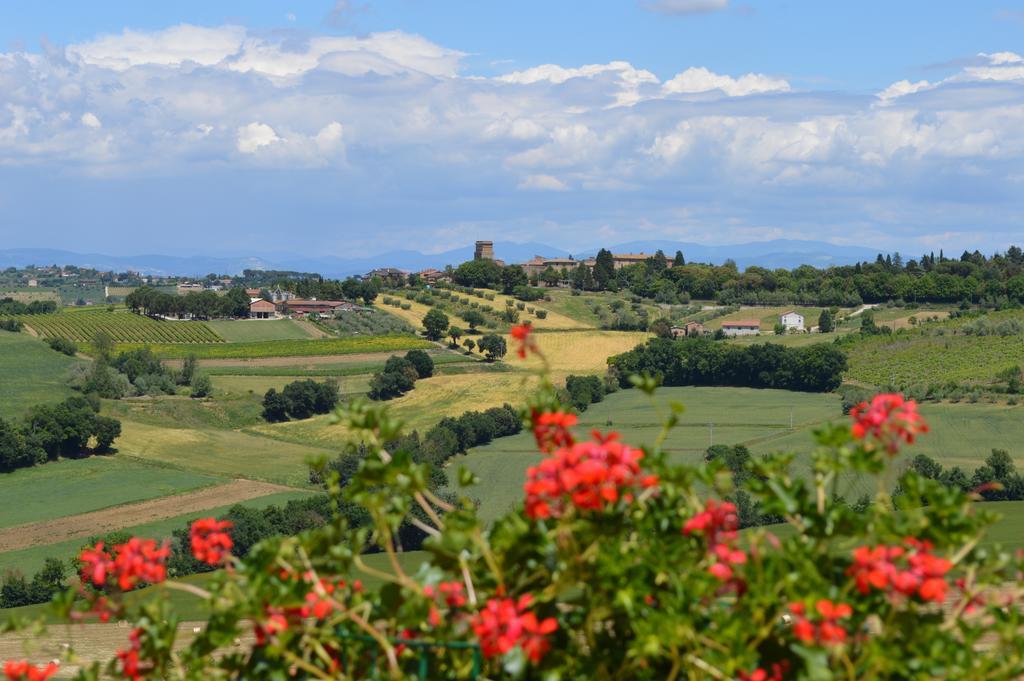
(313, 330)
(107, 520)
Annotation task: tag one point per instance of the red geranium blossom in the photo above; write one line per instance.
(889, 419)
(588, 475)
(131, 666)
(505, 623)
(551, 429)
(908, 570)
(522, 333)
(211, 542)
(129, 564)
(760, 674)
(717, 524)
(22, 670)
(828, 631)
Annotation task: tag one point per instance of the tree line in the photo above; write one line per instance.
(300, 400)
(702, 361)
(10, 306)
(196, 304)
(51, 431)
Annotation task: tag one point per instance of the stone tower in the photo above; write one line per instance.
(484, 250)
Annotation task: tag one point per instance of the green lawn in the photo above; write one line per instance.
(31, 373)
(30, 560)
(284, 348)
(70, 487)
(219, 452)
(251, 330)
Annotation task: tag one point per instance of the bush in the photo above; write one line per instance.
(542, 314)
(63, 346)
(201, 386)
(493, 346)
(300, 400)
(584, 391)
(397, 378)
(422, 362)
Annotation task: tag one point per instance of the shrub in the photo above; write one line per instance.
(542, 314)
(422, 362)
(493, 346)
(63, 346)
(12, 325)
(201, 386)
(300, 400)
(397, 378)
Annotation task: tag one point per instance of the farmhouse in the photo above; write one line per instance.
(742, 327)
(185, 287)
(793, 321)
(280, 296)
(432, 276)
(252, 292)
(689, 329)
(324, 307)
(261, 309)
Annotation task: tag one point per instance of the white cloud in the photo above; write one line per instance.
(548, 183)
(169, 47)
(253, 136)
(901, 88)
(685, 6)
(700, 79)
(90, 120)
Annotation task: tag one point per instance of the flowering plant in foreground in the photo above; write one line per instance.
(618, 565)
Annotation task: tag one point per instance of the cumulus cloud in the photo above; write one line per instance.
(392, 109)
(685, 6)
(700, 79)
(548, 183)
(254, 136)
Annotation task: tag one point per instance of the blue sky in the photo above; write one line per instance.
(368, 125)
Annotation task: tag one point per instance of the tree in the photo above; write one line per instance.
(661, 328)
(473, 318)
(301, 396)
(867, 323)
(107, 430)
(436, 323)
(103, 347)
(780, 329)
(455, 333)
(512, 277)
(398, 377)
(826, 324)
(493, 347)
(679, 260)
(478, 274)
(604, 269)
(469, 344)
(201, 386)
(510, 314)
(421, 362)
(188, 370)
(275, 406)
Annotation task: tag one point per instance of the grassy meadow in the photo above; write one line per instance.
(255, 330)
(297, 347)
(31, 373)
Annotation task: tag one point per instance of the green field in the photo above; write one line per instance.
(258, 385)
(285, 348)
(83, 324)
(254, 330)
(919, 359)
(444, 361)
(69, 487)
(739, 415)
(218, 452)
(30, 560)
(30, 373)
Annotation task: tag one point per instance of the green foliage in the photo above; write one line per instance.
(478, 274)
(584, 391)
(201, 386)
(50, 431)
(701, 361)
(493, 346)
(397, 378)
(435, 323)
(63, 346)
(300, 400)
(422, 362)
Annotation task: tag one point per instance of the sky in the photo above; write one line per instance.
(354, 127)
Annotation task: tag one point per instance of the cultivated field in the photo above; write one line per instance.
(250, 330)
(30, 373)
(286, 348)
(82, 325)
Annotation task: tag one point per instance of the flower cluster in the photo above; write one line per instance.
(505, 623)
(135, 562)
(911, 570)
(718, 523)
(773, 673)
(551, 429)
(889, 419)
(274, 623)
(22, 670)
(211, 542)
(452, 595)
(523, 334)
(588, 475)
(827, 631)
(322, 601)
(131, 665)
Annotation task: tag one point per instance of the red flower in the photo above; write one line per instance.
(452, 592)
(131, 666)
(828, 631)
(24, 671)
(275, 623)
(587, 475)
(889, 419)
(134, 562)
(551, 429)
(522, 333)
(505, 623)
(907, 571)
(717, 524)
(759, 674)
(211, 542)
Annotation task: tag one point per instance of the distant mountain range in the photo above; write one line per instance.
(771, 254)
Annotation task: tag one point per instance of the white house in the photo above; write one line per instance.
(792, 321)
(742, 327)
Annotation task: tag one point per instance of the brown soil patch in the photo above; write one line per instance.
(310, 361)
(107, 520)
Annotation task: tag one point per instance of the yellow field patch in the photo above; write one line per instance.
(554, 320)
(414, 315)
(580, 351)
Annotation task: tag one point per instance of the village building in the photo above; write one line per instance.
(431, 276)
(186, 287)
(793, 321)
(280, 296)
(252, 292)
(261, 309)
(298, 307)
(33, 283)
(391, 275)
(688, 329)
(741, 327)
